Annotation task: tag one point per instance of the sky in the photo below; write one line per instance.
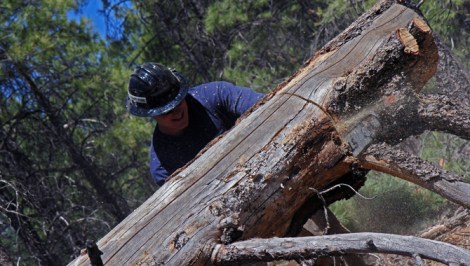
(91, 12)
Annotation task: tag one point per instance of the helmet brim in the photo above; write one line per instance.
(143, 112)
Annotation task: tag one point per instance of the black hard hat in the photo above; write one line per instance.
(154, 90)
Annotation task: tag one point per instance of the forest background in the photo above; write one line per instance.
(73, 163)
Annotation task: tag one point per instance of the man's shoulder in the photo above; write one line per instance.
(211, 91)
(211, 86)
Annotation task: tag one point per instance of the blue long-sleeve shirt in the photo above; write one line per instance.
(213, 108)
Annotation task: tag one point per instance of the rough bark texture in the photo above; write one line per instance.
(441, 113)
(452, 78)
(298, 141)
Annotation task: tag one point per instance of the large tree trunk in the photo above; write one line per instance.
(307, 135)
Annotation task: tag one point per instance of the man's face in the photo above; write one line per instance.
(174, 122)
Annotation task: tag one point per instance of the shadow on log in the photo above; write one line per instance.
(313, 130)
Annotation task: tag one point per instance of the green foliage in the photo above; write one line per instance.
(450, 19)
(223, 14)
(448, 151)
(252, 43)
(397, 206)
(257, 55)
(68, 173)
(391, 206)
(341, 12)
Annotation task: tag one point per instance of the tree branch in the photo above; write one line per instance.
(390, 160)
(302, 248)
(452, 78)
(440, 113)
(439, 232)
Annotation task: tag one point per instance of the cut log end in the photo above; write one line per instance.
(410, 43)
(421, 25)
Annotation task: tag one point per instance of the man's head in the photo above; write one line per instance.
(155, 90)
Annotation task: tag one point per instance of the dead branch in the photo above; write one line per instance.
(440, 113)
(452, 78)
(302, 248)
(461, 217)
(393, 161)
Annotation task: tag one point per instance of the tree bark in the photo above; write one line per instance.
(358, 90)
(452, 78)
(395, 162)
(304, 248)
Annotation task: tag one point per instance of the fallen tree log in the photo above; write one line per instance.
(307, 135)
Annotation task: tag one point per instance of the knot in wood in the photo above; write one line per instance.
(216, 208)
(231, 234)
(340, 84)
(371, 245)
(180, 240)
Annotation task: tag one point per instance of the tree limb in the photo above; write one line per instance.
(302, 248)
(440, 113)
(452, 78)
(460, 218)
(390, 160)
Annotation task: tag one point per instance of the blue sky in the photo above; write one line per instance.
(91, 12)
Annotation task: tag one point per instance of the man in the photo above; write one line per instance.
(187, 118)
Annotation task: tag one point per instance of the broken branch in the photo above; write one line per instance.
(393, 161)
(440, 113)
